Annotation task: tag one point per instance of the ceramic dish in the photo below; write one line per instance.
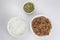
(16, 26)
(32, 29)
(33, 9)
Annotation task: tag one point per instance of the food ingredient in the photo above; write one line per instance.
(28, 7)
(41, 26)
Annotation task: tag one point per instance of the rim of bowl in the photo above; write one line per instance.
(32, 29)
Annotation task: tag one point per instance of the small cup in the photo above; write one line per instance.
(28, 7)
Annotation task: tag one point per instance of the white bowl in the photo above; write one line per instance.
(32, 29)
(11, 32)
(32, 11)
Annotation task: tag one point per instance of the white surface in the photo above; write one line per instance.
(12, 8)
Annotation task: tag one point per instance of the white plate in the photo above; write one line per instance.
(13, 8)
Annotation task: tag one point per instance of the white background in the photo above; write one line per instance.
(13, 8)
